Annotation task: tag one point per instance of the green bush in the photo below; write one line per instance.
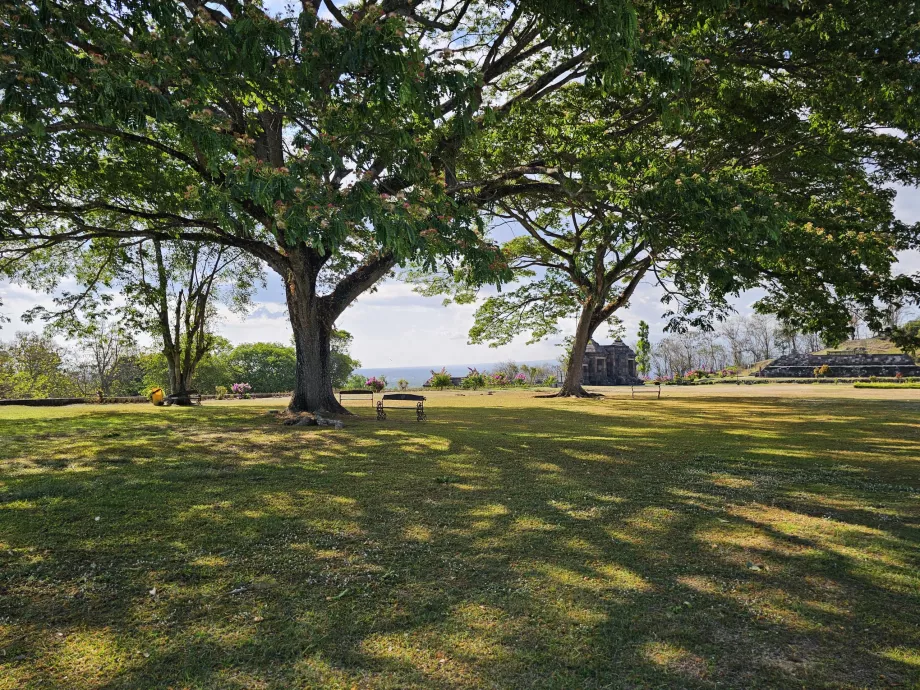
(474, 380)
(220, 392)
(355, 382)
(440, 379)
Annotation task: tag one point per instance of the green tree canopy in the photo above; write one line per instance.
(643, 351)
(740, 181)
(324, 147)
(167, 289)
(32, 366)
(267, 367)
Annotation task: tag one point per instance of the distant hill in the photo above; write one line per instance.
(863, 346)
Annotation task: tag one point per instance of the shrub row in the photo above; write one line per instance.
(753, 381)
(861, 384)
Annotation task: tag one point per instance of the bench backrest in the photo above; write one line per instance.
(404, 396)
(357, 392)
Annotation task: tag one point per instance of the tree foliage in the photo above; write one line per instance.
(643, 350)
(907, 337)
(762, 169)
(169, 290)
(33, 366)
(325, 146)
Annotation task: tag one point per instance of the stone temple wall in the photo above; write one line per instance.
(841, 366)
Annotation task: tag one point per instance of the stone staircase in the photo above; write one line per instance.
(841, 366)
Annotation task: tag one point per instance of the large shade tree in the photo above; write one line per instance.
(749, 175)
(322, 141)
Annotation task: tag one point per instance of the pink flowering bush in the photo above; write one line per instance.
(375, 384)
(241, 390)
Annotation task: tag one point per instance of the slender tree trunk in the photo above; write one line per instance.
(573, 375)
(173, 373)
(313, 344)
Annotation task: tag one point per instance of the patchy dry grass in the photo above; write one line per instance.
(697, 541)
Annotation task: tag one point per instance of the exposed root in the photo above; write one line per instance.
(330, 407)
(577, 393)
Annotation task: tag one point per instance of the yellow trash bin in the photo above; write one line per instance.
(157, 396)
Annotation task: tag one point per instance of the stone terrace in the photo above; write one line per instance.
(843, 366)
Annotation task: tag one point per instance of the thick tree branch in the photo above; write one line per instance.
(359, 280)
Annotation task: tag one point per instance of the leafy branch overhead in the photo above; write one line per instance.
(730, 198)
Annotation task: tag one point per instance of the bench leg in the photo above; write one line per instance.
(381, 415)
(420, 415)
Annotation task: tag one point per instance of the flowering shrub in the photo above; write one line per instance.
(823, 370)
(440, 379)
(241, 390)
(375, 384)
(474, 380)
(520, 378)
(899, 376)
(499, 379)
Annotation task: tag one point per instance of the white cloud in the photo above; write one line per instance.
(393, 326)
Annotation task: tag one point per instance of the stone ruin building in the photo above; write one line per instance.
(841, 366)
(609, 365)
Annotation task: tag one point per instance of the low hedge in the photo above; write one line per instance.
(886, 385)
(809, 381)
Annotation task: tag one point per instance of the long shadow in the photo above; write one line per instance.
(646, 545)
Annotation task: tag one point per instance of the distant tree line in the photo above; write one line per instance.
(35, 365)
(742, 342)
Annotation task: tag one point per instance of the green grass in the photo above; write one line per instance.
(872, 346)
(695, 542)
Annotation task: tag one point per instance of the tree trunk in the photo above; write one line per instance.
(179, 381)
(173, 372)
(572, 388)
(312, 342)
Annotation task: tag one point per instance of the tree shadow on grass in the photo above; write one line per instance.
(747, 543)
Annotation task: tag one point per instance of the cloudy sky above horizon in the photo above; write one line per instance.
(394, 327)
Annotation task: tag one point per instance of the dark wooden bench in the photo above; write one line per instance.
(391, 398)
(647, 389)
(363, 392)
(194, 398)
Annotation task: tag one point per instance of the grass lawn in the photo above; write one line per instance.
(714, 538)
